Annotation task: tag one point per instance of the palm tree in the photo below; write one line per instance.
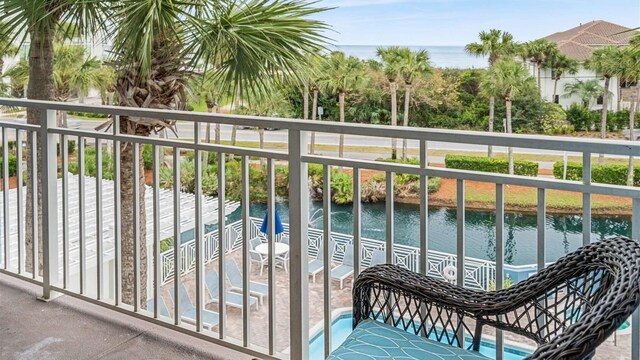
(341, 75)
(158, 44)
(538, 52)
(629, 71)
(605, 62)
(311, 73)
(508, 79)
(495, 44)
(18, 75)
(6, 48)
(560, 65)
(40, 21)
(586, 90)
(105, 83)
(392, 72)
(411, 65)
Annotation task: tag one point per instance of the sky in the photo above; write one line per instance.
(458, 22)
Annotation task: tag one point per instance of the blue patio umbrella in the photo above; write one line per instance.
(265, 224)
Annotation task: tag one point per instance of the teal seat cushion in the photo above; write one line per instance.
(374, 340)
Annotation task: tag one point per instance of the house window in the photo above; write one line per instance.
(556, 99)
(600, 100)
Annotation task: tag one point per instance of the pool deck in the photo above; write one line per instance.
(341, 298)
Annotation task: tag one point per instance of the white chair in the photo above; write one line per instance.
(283, 259)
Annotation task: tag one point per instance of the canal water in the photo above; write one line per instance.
(563, 232)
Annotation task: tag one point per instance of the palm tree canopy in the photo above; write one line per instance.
(604, 61)
(561, 64)
(493, 44)
(341, 74)
(389, 57)
(629, 64)
(507, 79)
(586, 90)
(538, 51)
(412, 64)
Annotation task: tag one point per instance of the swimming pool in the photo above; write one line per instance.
(341, 328)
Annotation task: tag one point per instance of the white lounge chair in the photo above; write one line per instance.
(188, 311)
(256, 257)
(378, 257)
(257, 289)
(344, 270)
(232, 299)
(162, 307)
(317, 265)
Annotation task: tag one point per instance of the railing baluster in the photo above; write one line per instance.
(222, 246)
(389, 213)
(34, 204)
(117, 214)
(99, 237)
(357, 222)
(81, 216)
(327, 255)
(460, 246)
(19, 196)
(424, 211)
(136, 227)
(64, 154)
(299, 270)
(5, 197)
(199, 231)
(271, 209)
(499, 259)
(49, 165)
(246, 237)
(177, 255)
(586, 199)
(157, 264)
(541, 253)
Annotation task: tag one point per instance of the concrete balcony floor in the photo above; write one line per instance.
(68, 328)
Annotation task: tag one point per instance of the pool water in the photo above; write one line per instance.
(341, 328)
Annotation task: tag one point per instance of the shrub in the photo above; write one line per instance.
(71, 147)
(341, 187)
(554, 121)
(90, 164)
(13, 166)
(475, 163)
(147, 156)
(605, 174)
(87, 114)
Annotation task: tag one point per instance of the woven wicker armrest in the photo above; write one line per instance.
(568, 308)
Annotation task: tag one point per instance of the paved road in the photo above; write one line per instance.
(185, 130)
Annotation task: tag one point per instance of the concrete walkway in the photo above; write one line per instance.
(68, 328)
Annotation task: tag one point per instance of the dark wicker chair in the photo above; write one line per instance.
(568, 308)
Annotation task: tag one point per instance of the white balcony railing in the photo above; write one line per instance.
(101, 266)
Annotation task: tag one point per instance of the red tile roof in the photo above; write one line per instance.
(580, 41)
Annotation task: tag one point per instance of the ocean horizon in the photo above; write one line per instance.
(452, 56)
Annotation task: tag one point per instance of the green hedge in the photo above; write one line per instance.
(605, 174)
(87, 114)
(475, 163)
(13, 166)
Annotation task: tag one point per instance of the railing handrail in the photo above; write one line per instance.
(559, 143)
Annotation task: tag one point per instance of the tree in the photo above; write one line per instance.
(41, 22)
(605, 62)
(341, 75)
(392, 72)
(6, 47)
(508, 80)
(629, 71)
(494, 44)
(560, 64)
(538, 52)
(587, 90)
(158, 44)
(411, 65)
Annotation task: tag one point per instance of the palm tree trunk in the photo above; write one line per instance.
(394, 118)
(619, 100)
(539, 65)
(605, 108)
(217, 134)
(510, 150)
(555, 89)
(127, 210)
(632, 124)
(40, 87)
(341, 144)
(207, 137)
(492, 112)
(261, 135)
(405, 120)
(314, 112)
(305, 102)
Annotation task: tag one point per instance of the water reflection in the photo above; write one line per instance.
(563, 232)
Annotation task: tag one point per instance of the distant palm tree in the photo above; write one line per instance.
(508, 79)
(539, 51)
(315, 63)
(629, 71)
(587, 90)
(389, 57)
(494, 44)
(411, 65)
(560, 65)
(7, 48)
(605, 62)
(341, 75)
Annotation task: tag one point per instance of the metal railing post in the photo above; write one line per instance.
(49, 165)
(299, 217)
